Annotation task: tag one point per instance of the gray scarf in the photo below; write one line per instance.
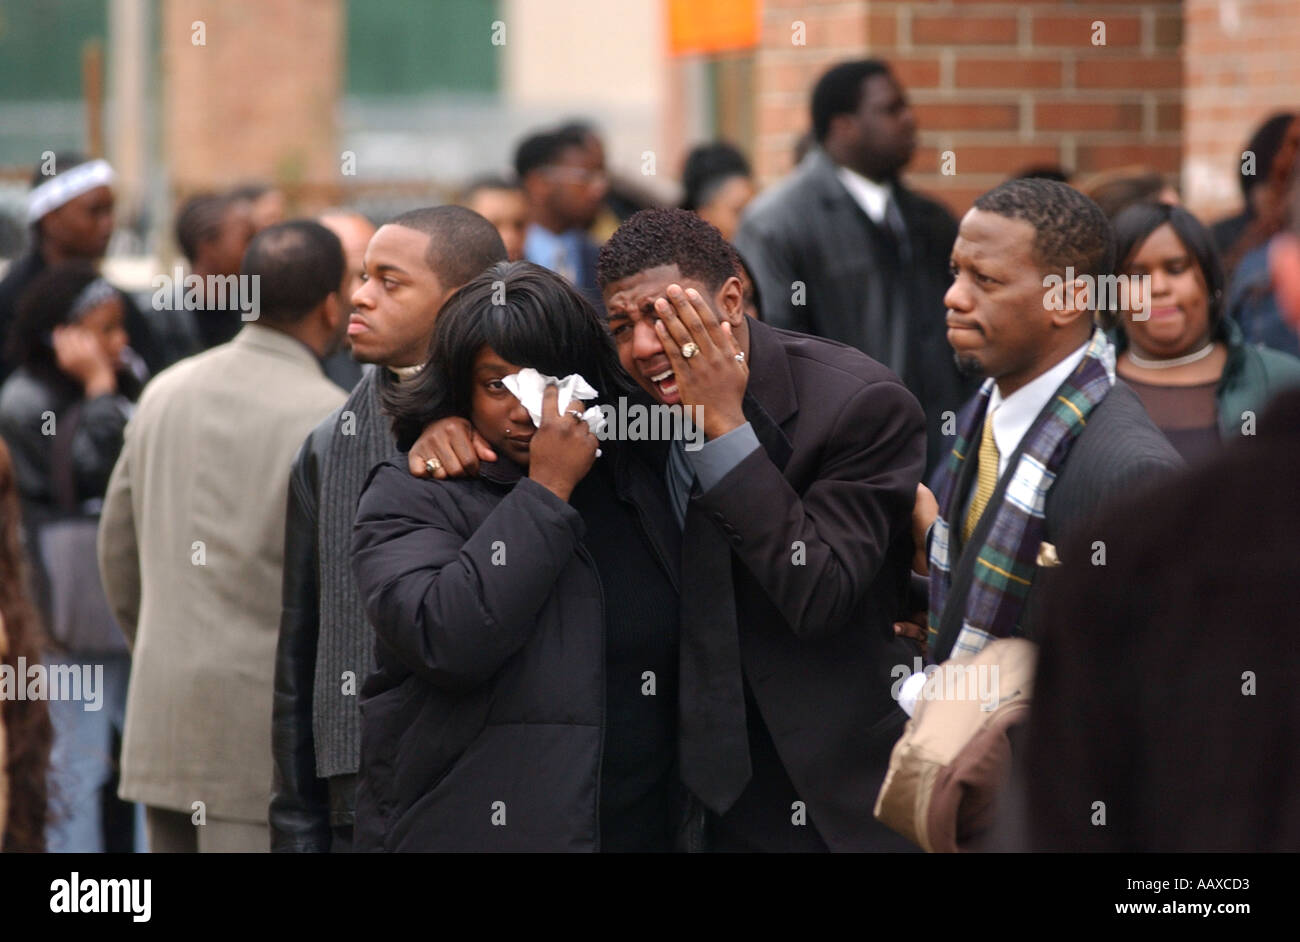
(361, 439)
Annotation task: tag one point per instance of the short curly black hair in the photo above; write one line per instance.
(839, 91)
(655, 237)
(1071, 228)
(707, 167)
(200, 219)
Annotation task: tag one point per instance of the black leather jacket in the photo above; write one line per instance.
(304, 809)
(63, 448)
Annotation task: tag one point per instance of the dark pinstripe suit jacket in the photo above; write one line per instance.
(809, 230)
(1119, 452)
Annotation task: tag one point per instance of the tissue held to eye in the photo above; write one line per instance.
(566, 449)
(625, 421)
(527, 386)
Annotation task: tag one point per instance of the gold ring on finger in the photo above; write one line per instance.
(690, 349)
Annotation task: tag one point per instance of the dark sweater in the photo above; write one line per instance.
(641, 634)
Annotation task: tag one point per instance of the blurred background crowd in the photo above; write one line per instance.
(196, 124)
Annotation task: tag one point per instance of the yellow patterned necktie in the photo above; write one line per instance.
(986, 480)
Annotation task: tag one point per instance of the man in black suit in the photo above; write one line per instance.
(796, 545)
(1020, 312)
(842, 249)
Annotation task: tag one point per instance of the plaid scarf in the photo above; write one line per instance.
(1005, 566)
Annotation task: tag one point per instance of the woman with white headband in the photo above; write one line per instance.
(63, 412)
(70, 216)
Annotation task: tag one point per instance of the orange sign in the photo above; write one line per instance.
(696, 26)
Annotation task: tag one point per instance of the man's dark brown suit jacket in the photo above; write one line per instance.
(818, 524)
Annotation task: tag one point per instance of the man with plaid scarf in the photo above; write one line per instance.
(1051, 435)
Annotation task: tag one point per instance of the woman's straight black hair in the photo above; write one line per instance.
(1134, 224)
(531, 317)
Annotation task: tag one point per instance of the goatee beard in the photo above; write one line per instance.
(968, 366)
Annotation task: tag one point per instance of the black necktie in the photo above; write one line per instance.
(714, 740)
(890, 326)
(897, 228)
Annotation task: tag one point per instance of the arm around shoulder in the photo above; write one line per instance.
(453, 605)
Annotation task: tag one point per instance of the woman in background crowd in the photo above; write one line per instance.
(1251, 300)
(1116, 190)
(718, 185)
(63, 412)
(70, 216)
(1190, 366)
(1256, 163)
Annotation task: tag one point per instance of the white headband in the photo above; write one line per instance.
(91, 297)
(66, 187)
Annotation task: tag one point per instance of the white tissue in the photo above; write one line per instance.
(910, 692)
(527, 386)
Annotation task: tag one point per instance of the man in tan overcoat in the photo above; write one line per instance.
(191, 547)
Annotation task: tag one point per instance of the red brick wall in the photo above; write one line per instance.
(1240, 69)
(1000, 84)
(258, 99)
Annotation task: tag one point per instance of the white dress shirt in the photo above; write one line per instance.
(1012, 418)
(1016, 413)
(873, 197)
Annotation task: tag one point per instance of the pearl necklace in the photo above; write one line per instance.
(406, 372)
(1146, 364)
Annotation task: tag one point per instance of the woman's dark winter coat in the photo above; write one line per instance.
(482, 728)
